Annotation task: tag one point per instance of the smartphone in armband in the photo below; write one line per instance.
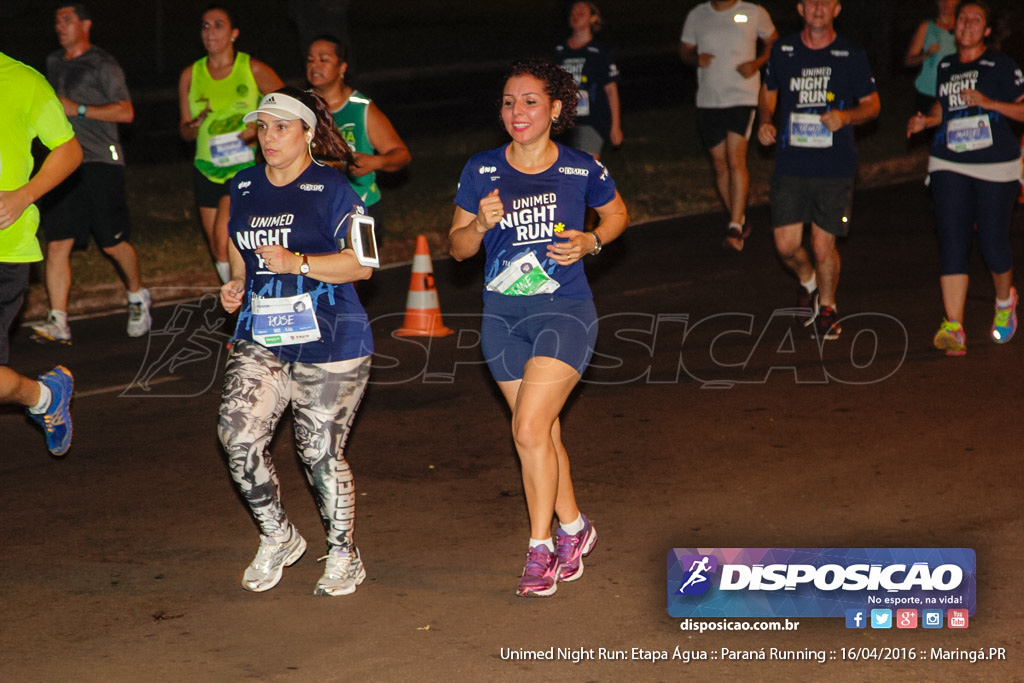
(361, 238)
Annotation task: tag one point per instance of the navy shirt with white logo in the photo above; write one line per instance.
(537, 208)
(997, 77)
(814, 82)
(302, 217)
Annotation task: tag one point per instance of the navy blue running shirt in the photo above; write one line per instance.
(537, 207)
(997, 77)
(301, 217)
(814, 82)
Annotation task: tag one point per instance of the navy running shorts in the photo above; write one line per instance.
(518, 328)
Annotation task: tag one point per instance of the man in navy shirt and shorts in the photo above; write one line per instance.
(817, 86)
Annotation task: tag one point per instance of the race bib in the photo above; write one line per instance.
(229, 150)
(583, 103)
(969, 133)
(523, 276)
(284, 320)
(807, 130)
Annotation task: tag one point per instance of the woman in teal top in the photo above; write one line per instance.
(213, 96)
(362, 125)
(932, 41)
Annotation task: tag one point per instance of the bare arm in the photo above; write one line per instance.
(766, 102)
(748, 69)
(58, 165)
(115, 112)
(612, 91)
(613, 219)
(392, 154)
(689, 54)
(335, 268)
(867, 108)
(919, 121)
(232, 292)
(1011, 110)
(267, 79)
(188, 127)
(915, 53)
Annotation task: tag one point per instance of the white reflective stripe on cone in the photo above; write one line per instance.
(423, 300)
(421, 263)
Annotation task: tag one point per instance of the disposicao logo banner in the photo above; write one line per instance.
(817, 582)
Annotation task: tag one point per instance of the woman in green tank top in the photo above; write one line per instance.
(362, 125)
(213, 96)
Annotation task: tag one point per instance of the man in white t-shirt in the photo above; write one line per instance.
(720, 38)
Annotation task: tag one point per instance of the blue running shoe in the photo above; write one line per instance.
(572, 548)
(540, 575)
(1005, 322)
(56, 419)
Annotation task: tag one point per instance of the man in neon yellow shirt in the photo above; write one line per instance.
(29, 109)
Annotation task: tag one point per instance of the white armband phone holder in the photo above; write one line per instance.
(360, 238)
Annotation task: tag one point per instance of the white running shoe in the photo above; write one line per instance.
(344, 571)
(53, 330)
(139, 319)
(264, 572)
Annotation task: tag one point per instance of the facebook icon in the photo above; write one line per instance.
(856, 618)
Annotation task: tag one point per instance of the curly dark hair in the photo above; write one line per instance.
(328, 146)
(558, 85)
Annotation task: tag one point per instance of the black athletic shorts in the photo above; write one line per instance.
(714, 125)
(208, 193)
(91, 201)
(826, 202)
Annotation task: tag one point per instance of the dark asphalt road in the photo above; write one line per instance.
(703, 423)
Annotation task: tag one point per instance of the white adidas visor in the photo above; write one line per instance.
(284, 107)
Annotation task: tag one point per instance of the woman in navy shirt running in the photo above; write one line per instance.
(525, 203)
(974, 171)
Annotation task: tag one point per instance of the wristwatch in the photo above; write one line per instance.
(597, 244)
(304, 268)
(81, 111)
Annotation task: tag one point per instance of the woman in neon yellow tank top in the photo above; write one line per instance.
(374, 141)
(213, 96)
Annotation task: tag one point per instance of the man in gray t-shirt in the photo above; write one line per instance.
(91, 86)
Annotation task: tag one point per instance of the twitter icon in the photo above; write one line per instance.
(881, 618)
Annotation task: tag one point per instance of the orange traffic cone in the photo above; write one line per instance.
(422, 307)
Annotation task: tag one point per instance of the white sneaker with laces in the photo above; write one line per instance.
(55, 329)
(139, 319)
(264, 572)
(344, 571)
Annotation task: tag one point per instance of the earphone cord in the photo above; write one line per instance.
(309, 148)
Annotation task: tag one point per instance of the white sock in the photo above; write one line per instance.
(547, 542)
(136, 297)
(811, 284)
(223, 270)
(44, 400)
(59, 317)
(1003, 303)
(573, 528)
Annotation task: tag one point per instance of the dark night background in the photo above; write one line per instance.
(431, 64)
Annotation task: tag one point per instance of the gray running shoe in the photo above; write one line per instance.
(344, 571)
(139, 319)
(264, 572)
